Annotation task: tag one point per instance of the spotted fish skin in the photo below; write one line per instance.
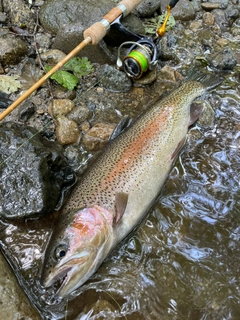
(125, 180)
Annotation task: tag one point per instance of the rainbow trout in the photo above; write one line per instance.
(115, 193)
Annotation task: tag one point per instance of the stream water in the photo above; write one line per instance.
(183, 262)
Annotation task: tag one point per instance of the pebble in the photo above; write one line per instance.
(3, 17)
(67, 131)
(52, 56)
(208, 18)
(222, 42)
(44, 41)
(195, 26)
(61, 93)
(210, 5)
(60, 107)
(97, 137)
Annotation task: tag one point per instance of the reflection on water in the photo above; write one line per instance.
(184, 260)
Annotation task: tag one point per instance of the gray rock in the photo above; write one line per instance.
(221, 3)
(113, 79)
(26, 110)
(223, 60)
(19, 13)
(70, 35)
(147, 7)
(80, 114)
(184, 10)
(220, 19)
(12, 49)
(33, 172)
(55, 13)
(68, 20)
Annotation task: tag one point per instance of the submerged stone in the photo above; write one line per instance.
(33, 172)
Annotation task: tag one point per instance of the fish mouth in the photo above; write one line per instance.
(65, 269)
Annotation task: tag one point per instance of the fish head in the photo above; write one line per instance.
(77, 248)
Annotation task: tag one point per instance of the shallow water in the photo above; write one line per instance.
(184, 260)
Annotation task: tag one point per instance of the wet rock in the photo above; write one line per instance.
(80, 114)
(60, 107)
(67, 131)
(33, 172)
(113, 79)
(19, 13)
(170, 74)
(208, 18)
(232, 15)
(54, 13)
(195, 26)
(97, 137)
(12, 49)
(147, 8)
(223, 60)
(68, 20)
(13, 301)
(44, 42)
(53, 56)
(70, 35)
(77, 158)
(210, 6)
(3, 17)
(61, 93)
(26, 110)
(206, 118)
(220, 19)
(184, 10)
(147, 78)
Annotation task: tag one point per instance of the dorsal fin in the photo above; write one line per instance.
(121, 199)
(123, 124)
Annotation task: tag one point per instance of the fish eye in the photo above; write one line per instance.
(60, 251)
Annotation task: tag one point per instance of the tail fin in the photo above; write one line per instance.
(208, 80)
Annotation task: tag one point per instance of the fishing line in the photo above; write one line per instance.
(115, 302)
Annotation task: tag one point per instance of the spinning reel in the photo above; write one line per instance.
(144, 52)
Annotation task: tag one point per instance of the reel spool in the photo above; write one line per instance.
(140, 57)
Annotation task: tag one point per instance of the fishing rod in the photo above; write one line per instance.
(92, 35)
(142, 55)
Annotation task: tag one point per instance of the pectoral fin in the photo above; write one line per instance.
(121, 200)
(195, 111)
(177, 150)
